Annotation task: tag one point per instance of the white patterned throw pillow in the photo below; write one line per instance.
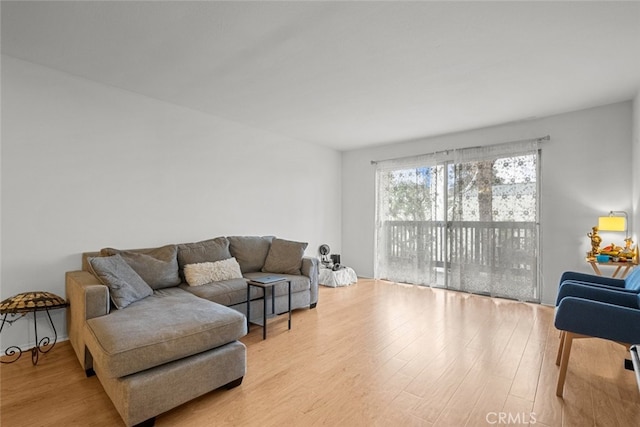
(207, 272)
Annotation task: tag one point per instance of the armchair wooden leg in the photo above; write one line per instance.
(559, 355)
(566, 352)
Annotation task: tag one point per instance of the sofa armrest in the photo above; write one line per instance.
(88, 298)
(612, 295)
(310, 269)
(591, 278)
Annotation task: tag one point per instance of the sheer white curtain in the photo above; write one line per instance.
(493, 233)
(409, 202)
(462, 219)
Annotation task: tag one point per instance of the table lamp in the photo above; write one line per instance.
(615, 221)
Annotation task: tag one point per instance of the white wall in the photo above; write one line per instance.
(86, 166)
(635, 197)
(586, 171)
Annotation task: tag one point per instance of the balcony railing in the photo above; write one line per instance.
(506, 245)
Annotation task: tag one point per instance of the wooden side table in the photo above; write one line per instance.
(31, 302)
(623, 267)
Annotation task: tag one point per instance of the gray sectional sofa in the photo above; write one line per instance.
(157, 333)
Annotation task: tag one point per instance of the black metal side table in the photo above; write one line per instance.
(264, 287)
(31, 302)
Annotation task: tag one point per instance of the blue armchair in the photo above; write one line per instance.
(629, 284)
(586, 311)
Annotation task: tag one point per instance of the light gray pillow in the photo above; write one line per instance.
(206, 251)
(250, 251)
(158, 267)
(285, 257)
(125, 285)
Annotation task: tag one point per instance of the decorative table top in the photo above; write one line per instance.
(31, 301)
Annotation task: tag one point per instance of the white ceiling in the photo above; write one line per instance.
(344, 74)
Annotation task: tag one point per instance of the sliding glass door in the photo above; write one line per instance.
(464, 220)
(411, 225)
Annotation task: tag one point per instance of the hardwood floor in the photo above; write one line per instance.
(372, 354)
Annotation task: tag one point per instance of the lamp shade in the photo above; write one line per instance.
(612, 223)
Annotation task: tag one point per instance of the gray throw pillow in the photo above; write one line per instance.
(250, 251)
(206, 251)
(285, 257)
(125, 285)
(158, 267)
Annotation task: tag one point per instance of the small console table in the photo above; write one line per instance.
(623, 267)
(31, 302)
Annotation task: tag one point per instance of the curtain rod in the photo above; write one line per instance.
(540, 139)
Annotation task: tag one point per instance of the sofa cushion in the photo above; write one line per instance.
(170, 324)
(233, 292)
(207, 272)
(632, 281)
(158, 267)
(125, 285)
(225, 292)
(285, 256)
(205, 251)
(250, 251)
